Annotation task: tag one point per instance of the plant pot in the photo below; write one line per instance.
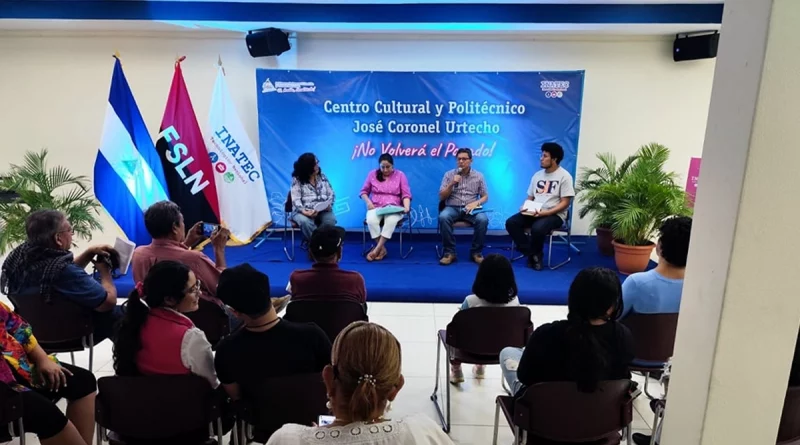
(605, 238)
(632, 259)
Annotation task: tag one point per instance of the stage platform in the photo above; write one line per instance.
(419, 278)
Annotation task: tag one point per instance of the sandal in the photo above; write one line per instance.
(382, 254)
(371, 256)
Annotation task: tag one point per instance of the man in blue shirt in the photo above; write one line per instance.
(44, 267)
(658, 291)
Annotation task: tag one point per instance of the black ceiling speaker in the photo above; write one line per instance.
(267, 42)
(694, 47)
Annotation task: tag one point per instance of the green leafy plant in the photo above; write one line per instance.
(597, 190)
(647, 196)
(40, 187)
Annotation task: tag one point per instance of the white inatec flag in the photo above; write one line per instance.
(243, 206)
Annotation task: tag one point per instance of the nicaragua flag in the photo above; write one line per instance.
(187, 168)
(128, 175)
(243, 205)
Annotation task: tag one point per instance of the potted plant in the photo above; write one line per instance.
(40, 187)
(648, 195)
(599, 195)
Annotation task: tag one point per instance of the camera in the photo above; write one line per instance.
(111, 260)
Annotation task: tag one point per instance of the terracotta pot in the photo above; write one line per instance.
(632, 259)
(604, 241)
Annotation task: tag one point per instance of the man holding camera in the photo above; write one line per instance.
(171, 241)
(44, 267)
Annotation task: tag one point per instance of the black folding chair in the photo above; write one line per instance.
(653, 342)
(558, 413)
(277, 401)
(477, 336)
(11, 414)
(59, 326)
(156, 408)
(212, 320)
(330, 315)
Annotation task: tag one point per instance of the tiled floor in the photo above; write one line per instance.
(415, 325)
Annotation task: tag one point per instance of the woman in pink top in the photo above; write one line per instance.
(384, 187)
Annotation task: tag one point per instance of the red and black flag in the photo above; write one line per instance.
(187, 167)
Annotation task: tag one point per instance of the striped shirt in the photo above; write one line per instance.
(471, 187)
(306, 196)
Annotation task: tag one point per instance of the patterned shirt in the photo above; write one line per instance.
(471, 187)
(306, 196)
(391, 191)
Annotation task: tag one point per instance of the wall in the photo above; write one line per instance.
(53, 88)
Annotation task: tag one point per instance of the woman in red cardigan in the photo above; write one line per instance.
(157, 339)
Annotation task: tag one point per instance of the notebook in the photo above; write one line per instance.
(388, 210)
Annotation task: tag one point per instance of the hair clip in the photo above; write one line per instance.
(367, 378)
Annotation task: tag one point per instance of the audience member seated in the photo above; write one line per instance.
(588, 347)
(164, 222)
(658, 291)
(155, 338)
(363, 378)
(325, 280)
(494, 286)
(42, 381)
(43, 267)
(267, 346)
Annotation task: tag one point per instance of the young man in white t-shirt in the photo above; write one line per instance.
(552, 188)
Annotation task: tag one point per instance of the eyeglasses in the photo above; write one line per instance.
(462, 159)
(71, 231)
(194, 289)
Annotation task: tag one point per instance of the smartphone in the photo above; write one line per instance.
(208, 229)
(325, 420)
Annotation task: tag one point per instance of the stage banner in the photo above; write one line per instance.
(349, 118)
(187, 166)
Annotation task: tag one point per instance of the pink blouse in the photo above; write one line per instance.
(391, 191)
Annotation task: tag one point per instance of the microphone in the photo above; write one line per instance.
(458, 172)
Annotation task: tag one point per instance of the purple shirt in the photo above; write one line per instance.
(391, 191)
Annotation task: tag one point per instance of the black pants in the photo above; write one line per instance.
(40, 415)
(540, 227)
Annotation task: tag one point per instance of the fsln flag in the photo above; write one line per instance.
(190, 179)
(128, 175)
(243, 206)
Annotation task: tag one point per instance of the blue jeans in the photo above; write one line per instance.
(510, 375)
(308, 225)
(448, 217)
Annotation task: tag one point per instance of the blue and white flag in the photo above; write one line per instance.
(128, 175)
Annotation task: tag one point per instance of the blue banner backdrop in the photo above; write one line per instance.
(349, 118)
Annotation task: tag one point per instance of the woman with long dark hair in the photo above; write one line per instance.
(385, 188)
(494, 286)
(155, 338)
(312, 196)
(588, 347)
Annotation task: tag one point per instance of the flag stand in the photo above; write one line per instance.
(266, 235)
